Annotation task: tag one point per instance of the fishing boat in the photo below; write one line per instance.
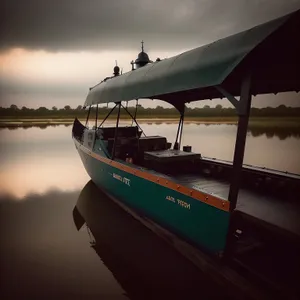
(210, 203)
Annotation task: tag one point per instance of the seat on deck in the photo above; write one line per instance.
(167, 156)
(150, 143)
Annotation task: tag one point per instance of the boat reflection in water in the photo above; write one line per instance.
(145, 266)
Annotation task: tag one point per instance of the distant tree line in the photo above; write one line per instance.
(159, 111)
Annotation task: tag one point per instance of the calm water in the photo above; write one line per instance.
(45, 201)
(36, 160)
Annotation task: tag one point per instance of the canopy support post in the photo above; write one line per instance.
(96, 116)
(133, 119)
(87, 118)
(243, 112)
(177, 134)
(181, 128)
(108, 115)
(135, 112)
(245, 103)
(116, 131)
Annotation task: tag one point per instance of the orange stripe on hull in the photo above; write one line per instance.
(195, 194)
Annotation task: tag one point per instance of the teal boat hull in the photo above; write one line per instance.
(200, 223)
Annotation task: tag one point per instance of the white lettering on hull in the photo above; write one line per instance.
(179, 202)
(122, 179)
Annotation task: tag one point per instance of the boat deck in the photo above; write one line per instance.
(273, 211)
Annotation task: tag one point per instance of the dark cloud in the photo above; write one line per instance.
(72, 25)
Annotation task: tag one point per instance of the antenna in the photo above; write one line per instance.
(116, 62)
(142, 42)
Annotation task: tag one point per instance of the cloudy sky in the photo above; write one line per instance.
(51, 52)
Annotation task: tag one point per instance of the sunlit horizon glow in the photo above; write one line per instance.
(72, 67)
(35, 78)
(60, 78)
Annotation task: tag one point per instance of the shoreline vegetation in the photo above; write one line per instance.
(278, 117)
(286, 122)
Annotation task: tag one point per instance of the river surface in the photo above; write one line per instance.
(48, 252)
(40, 159)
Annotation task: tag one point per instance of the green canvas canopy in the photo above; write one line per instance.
(269, 52)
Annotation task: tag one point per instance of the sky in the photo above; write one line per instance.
(51, 52)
